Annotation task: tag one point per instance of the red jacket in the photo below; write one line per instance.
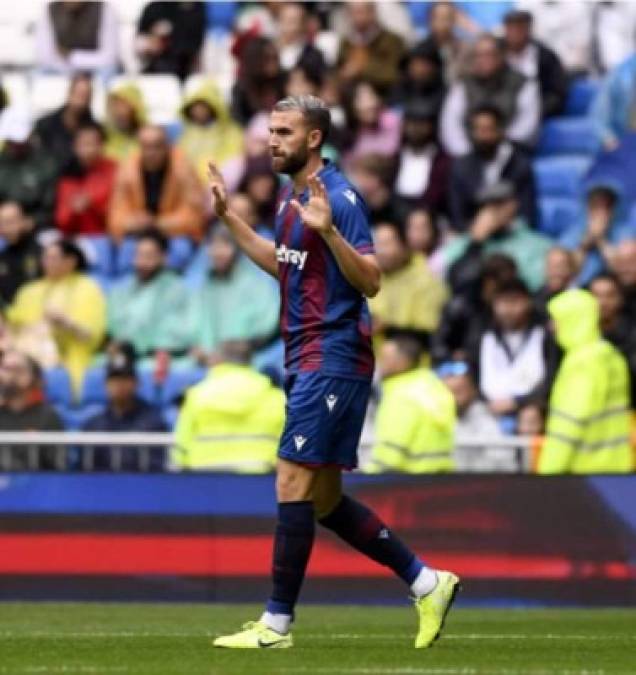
(97, 184)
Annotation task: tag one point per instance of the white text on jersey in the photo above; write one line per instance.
(291, 256)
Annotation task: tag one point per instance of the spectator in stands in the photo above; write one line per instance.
(588, 422)
(232, 420)
(293, 41)
(474, 420)
(56, 131)
(232, 282)
(513, 351)
(535, 60)
(624, 266)
(170, 37)
(616, 326)
(261, 81)
(423, 236)
(125, 411)
(612, 34)
(613, 110)
(491, 159)
(369, 51)
(20, 257)
(498, 228)
(149, 309)
(422, 169)
(210, 133)
(261, 185)
(77, 36)
(156, 188)
(373, 176)
(468, 312)
(595, 235)
(566, 27)
(442, 38)
(60, 318)
(561, 270)
(410, 296)
(27, 174)
(125, 115)
(373, 128)
(491, 80)
(422, 79)
(23, 407)
(415, 422)
(86, 185)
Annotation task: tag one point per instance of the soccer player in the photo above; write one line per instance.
(323, 258)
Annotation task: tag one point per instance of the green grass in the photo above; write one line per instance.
(175, 640)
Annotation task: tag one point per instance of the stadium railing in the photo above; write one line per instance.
(81, 445)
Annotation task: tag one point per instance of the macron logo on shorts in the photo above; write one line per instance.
(331, 401)
(291, 256)
(299, 441)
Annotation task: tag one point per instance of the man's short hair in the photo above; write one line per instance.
(408, 344)
(488, 109)
(154, 235)
(91, 126)
(312, 108)
(397, 229)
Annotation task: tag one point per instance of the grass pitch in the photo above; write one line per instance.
(113, 639)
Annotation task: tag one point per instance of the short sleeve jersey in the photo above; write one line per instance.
(325, 321)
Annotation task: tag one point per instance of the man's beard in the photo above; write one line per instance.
(486, 150)
(292, 164)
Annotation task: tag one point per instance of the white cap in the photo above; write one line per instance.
(15, 124)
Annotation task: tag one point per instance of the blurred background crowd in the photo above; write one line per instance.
(493, 142)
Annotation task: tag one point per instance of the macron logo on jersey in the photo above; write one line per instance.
(350, 195)
(291, 256)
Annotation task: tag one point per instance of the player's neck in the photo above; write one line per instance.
(299, 180)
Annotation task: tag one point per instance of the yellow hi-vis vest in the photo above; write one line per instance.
(231, 421)
(588, 426)
(415, 425)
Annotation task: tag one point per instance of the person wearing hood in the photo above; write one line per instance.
(232, 282)
(422, 78)
(588, 423)
(602, 225)
(491, 80)
(232, 420)
(125, 115)
(210, 133)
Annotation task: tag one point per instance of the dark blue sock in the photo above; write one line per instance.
(292, 547)
(363, 530)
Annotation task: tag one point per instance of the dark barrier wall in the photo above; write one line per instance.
(514, 539)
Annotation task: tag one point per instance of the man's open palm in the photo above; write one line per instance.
(218, 189)
(316, 213)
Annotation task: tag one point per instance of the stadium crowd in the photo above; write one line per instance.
(493, 143)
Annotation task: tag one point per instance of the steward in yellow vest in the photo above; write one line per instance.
(415, 423)
(588, 423)
(232, 420)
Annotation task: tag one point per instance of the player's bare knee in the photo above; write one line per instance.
(293, 483)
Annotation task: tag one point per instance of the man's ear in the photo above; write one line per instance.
(315, 139)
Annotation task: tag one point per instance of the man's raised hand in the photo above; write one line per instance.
(218, 189)
(316, 213)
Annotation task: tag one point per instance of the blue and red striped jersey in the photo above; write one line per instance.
(325, 321)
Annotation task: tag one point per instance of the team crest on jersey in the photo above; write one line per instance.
(350, 195)
(299, 441)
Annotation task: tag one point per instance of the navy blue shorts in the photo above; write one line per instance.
(324, 419)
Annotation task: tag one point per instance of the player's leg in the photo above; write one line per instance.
(293, 541)
(362, 529)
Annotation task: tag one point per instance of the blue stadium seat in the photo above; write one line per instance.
(560, 176)
(220, 16)
(178, 380)
(180, 253)
(125, 256)
(556, 214)
(568, 136)
(580, 97)
(57, 387)
(173, 130)
(100, 253)
(75, 418)
(270, 361)
(170, 415)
